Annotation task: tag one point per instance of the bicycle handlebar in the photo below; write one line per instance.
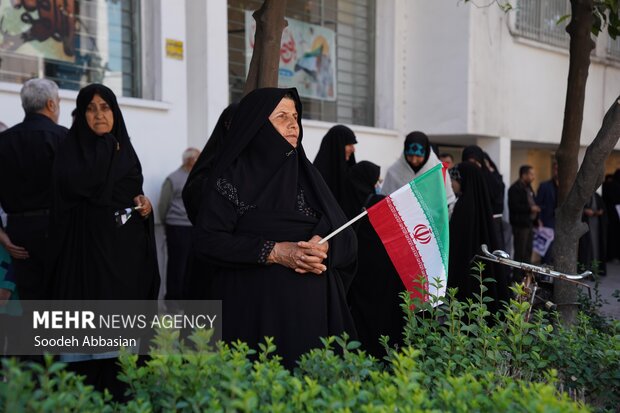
(501, 257)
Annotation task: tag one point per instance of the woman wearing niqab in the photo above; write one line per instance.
(471, 226)
(336, 155)
(361, 183)
(262, 197)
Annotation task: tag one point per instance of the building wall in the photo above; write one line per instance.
(519, 86)
(436, 61)
(469, 78)
(446, 68)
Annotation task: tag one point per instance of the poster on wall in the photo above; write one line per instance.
(39, 28)
(307, 57)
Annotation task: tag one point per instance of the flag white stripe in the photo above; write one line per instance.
(412, 214)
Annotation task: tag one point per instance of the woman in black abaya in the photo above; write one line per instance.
(96, 173)
(361, 183)
(471, 225)
(263, 210)
(374, 294)
(336, 155)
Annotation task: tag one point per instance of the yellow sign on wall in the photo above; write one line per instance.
(174, 49)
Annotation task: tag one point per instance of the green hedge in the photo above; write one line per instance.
(223, 379)
(457, 357)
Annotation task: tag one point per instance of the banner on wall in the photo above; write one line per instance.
(40, 28)
(307, 57)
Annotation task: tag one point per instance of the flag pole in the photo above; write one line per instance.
(343, 227)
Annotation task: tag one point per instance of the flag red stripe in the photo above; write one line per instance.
(399, 245)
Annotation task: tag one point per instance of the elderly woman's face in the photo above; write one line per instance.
(284, 120)
(99, 116)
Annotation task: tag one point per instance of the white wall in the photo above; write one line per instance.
(207, 67)
(519, 86)
(436, 62)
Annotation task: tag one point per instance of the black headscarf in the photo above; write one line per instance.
(417, 143)
(471, 225)
(473, 152)
(89, 166)
(205, 162)
(493, 179)
(331, 162)
(363, 177)
(271, 161)
(94, 176)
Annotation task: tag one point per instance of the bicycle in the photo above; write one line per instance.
(530, 283)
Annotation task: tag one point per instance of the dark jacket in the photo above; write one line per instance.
(27, 151)
(547, 200)
(519, 206)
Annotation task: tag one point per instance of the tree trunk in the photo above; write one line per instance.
(270, 23)
(568, 226)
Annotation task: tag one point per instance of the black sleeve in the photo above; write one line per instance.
(215, 239)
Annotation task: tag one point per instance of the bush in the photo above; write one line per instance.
(224, 379)
(457, 357)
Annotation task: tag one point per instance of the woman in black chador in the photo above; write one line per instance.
(264, 208)
(336, 155)
(471, 225)
(361, 184)
(96, 173)
(374, 295)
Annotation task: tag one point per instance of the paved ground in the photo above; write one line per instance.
(607, 285)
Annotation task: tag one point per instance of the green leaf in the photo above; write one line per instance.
(562, 19)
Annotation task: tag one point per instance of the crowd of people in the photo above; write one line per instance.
(244, 219)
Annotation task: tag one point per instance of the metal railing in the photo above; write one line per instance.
(538, 20)
(613, 48)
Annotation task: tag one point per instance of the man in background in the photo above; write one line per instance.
(523, 213)
(547, 199)
(27, 153)
(178, 227)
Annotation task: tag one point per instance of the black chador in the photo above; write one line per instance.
(331, 160)
(471, 225)
(95, 176)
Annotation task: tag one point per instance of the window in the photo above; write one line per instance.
(538, 20)
(613, 48)
(72, 42)
(352, 23)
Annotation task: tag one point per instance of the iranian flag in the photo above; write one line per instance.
(413, 225)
